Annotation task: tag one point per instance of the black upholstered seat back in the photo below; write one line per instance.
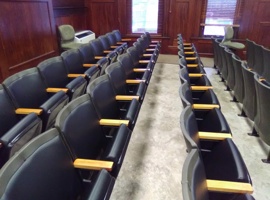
(43, 169)
(105, 42)
(231, 73)
(249, 101)
(117, 77)
(97, 47)
(127, 63)
(266, 61)
(117, 35)
(185, 95)
(73, 61)
(258, 59)
(224, 70)
(250, 53)
(27, 88)
(103, 64)
(111, 38)
(79, 125)
(54, 72)
(189, 128)
(87, 53)
(239, 81)
(103, 98)
(183, 75)
(8, 117)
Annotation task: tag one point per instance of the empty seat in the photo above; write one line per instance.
(228, 36)
(258, 59)
(123, 86)
(113, 42)
(231, 74)
(56, 76)
(193, 80)
(73, 60)
(239, 80)
(15, 130)
(82, 128)
(250, 53)
(249, 101)
(112, 106)
(29, 93)
(45, 166)
(224, 69)
(196, 186)
(261, 120)
(108, 47)
(196, 67)
(266, 61)
(67, 34)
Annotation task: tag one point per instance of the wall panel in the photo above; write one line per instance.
(27, 34)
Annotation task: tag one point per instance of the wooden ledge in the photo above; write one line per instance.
(204, 106)
(195, 75)
(192, 65)
(229, 186)
(99, 57)
(191, 58)
(214, 135)
(147, 55)
(121, 43)
(126, 97)
(201, 88)
(135, 81)
(189, 52)
(113, 122)
(25, 111)
(54, 90)
(187, 48)
(140, 70)
(93, 164)
(75, 75)
(90, 65)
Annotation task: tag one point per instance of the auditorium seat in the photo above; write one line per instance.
(231, 74)
(152, 43)
(123, 86)
(118, 37)
(107, 46)
(130, 70)
(193, 80)
(29, 93)
(220, 59)
(262, 117)
(56, 76)
(250, 53)
(249, 101)
(74, 63)
(258, 59)
(43, 169)
(224, 69)
(238, 89)
(82, 129)
(196, 185)
(67, 34)
(112, 106)
(196, 67)
(266, 61)
(230, 166)
(15, 130)
(113, 42)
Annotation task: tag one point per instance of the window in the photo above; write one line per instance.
(145, 16)
(218, 14)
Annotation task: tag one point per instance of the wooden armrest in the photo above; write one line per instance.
(121, 42)
(90, 65)
(107, 51)
(189, 52)
(126, 39)
(155, 41)
(201, 88)
(25, 111)
(187, 48)
(140, 70)
(93, 164)
(205, 106)
(261, 79)
(229, 186)
(214, 136)
(192, 65)
(113, 122)
(149, 49)
(195, 75)
(152, 45)
(98, 57)
(135, 81)
(113, 47)
(147, 55)
(126, 97)
(75, 75)
(191, 58)
(54, 90)
(186, 44)
(144, 61)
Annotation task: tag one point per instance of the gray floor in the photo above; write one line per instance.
(153, 163)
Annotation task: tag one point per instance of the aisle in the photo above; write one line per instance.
(153, 162)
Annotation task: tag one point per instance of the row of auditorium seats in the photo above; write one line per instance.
(214, 167)
(31, 99)
(249, 83)
(80, 156)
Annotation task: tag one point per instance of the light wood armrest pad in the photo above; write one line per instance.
(56, 90)
(147, 55)
(75, 75)
(191, 58)
(126, 97)
(113, 47)
(140, 70)
(121, 42)
(205, 106)
(113, 122)
(214, 136)
(186, 44)
(150, 50)
(192, 65)
(152, 45)
(261, 79)
(25, 111)
(229, 186)
(98, 57)
(187, 48)
(144, 61)
(93, 164)
(189, 52)
(90, 65)
(126, 39)
(195, 75)
(134, 81)
(107, 51)
(201, 87)
(155, 41)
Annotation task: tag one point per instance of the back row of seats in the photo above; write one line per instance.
(214, 168)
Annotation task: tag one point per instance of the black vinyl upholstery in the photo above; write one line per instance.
(198, 81)
(239, 80)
